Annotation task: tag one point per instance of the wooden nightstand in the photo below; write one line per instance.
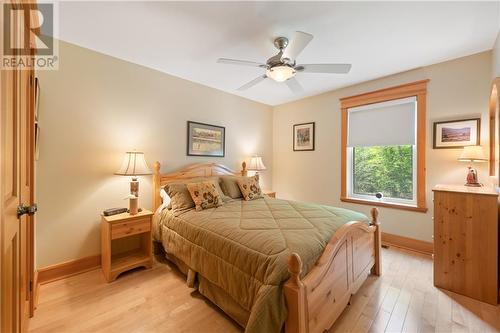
(271, 194)
(120, 226)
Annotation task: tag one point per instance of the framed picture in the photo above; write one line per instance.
(205, 140)
(457, 133)
(303, 137)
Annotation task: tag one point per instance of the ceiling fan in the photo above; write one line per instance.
(283, 66)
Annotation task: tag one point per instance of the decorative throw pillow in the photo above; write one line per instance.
(180, 199)
(218, 183)
(230, 186)
(204, 195)
(250, 187)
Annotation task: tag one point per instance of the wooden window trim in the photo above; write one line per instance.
(494, 102)
(417, 89)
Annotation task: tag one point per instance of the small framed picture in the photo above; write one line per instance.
(457, 133)
(205, 139)
(303, 137)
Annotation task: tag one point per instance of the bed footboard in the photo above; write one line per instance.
(315, 301)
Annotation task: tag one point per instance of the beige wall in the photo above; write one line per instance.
(96, 107)
(458, 89)
(496, 57)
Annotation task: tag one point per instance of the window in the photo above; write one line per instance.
(383, 147)
(384, 169)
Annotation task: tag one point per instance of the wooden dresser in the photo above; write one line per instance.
(466, 241)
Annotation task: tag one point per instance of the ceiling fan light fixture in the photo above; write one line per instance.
(281, 73)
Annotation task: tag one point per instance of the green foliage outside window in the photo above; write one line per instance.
(385, 169)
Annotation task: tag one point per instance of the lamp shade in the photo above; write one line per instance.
(134, 164)
(256, 164)
(472, 154)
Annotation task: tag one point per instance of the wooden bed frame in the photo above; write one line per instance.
(317, 299)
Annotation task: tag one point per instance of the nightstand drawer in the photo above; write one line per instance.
(124, 229)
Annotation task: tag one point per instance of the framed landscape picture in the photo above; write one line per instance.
(205, 140)
(303, 137)
(456, 133)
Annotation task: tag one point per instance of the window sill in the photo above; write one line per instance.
(385, 204)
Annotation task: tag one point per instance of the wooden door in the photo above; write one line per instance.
(16, 170)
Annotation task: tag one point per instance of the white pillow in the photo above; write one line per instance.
(165, 199)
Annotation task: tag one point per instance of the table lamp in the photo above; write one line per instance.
(472, 154)
(256, 165)
(134, 165)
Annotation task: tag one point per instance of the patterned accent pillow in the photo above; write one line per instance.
(249, 187)
(204, 195)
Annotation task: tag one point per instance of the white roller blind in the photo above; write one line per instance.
(382, 124)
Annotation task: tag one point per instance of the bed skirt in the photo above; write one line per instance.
(211, 291)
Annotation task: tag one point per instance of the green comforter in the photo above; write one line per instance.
(242, 248)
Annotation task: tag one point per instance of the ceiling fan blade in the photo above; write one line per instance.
(252, 83)
(294, 85)
(240, 62)
(296, 45)
(324, 68)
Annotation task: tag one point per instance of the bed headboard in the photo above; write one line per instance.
(191, 171)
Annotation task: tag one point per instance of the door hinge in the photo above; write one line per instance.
(31, 285)
(30, 210)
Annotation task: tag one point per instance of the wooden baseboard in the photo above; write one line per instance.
(68, 268)
(406, 243)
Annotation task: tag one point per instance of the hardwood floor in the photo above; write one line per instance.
(403, 299)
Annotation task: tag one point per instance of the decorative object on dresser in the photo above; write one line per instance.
(457, 133)
(303, 136)
(466, 241)
(205, 140)
(472, 154)
(122, 226)
(134, 165)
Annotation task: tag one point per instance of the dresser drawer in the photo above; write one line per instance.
(123, 229)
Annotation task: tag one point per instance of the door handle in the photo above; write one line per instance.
(30, 210)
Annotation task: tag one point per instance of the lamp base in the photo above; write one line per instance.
(471, 179)
(133, 206)
(134, 186)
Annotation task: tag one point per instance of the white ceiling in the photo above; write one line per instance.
(185, 39)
